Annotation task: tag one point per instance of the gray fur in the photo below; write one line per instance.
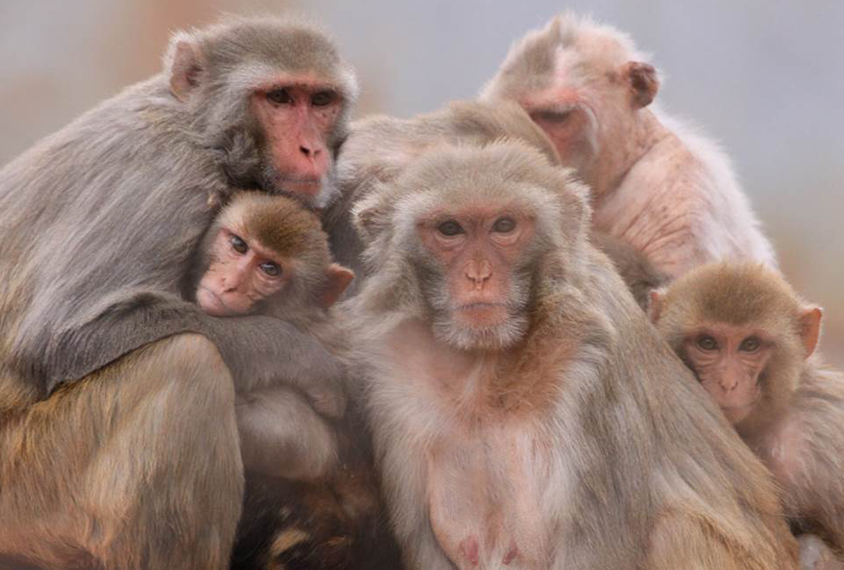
(100, 221)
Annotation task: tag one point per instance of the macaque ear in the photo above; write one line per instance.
(339, 278)
(371, 216)
(185, 66)
(643, 82)
(810, 328)
(655, 305)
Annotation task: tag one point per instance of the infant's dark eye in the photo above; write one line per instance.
(450, 228)
(280, 96)
(271, 269)
(238, 244)
(750, 344)
(706, 342)
(504, 225)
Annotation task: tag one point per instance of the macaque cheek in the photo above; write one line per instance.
(575, 138)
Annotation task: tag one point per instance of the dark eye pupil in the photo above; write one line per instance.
(750, 344)
(321, 99)
(239, 245)
(280, 96)
(271, 269)
(504, 225)
(707, 343)
(450, 228)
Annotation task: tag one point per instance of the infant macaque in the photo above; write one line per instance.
(268, 255)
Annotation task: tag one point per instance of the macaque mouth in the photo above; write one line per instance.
(481, 305)
(221, 309)
(752, 402)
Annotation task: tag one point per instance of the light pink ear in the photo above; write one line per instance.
(654, 305)
(339, 278)
(810, 328)
(185, 69)
(643, 82)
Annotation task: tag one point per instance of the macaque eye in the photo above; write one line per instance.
(271, 269)
(750, 344)
(238, 244)
(504, 225)
(280, 97)
(706, 342)
(555, 117)
(322, 98)
(450, 228)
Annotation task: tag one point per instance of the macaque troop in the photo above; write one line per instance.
(542, 330)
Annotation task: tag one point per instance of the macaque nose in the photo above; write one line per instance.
(479, 271)
(308, 151)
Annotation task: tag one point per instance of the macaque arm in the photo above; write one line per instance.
(282, 436)
(258, 350)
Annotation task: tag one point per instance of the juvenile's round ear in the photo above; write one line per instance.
(184, 65)
(810, 328)
(643, 82)
(338, 279)
(655, 305)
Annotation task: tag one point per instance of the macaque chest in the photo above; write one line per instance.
(485, 490)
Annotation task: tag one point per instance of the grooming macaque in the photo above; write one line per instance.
(379, 148)
(655, 183)
(106, 396)
(748, 338)
(524, 412)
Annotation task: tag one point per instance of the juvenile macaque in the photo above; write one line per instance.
(749, 339)
(654, 182)
(268, 255)
(525, 414)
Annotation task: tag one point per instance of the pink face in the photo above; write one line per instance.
(240, 275)
(298, 115)
(478, 250)
(728, 361)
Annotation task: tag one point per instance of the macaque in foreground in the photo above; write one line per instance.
(655, 183)
(749, 339)
(268, 255)
(311, 495)
(525, 414)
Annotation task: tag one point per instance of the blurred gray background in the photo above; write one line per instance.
(765, 78)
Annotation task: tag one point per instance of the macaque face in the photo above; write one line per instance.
(728, 361)
(241, 274)
(570, 123)
(481, 297)
(297, 116)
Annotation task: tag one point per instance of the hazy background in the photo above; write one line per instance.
(765, 78)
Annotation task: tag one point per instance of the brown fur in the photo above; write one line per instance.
(582, 444)
(796, 427)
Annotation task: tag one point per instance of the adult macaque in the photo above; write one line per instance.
(655, 183)
(524, 412)
(748, 338)
(99, 224)
(379, 148)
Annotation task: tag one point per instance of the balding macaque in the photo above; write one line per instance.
(118, 439)
(655, 183)
(268, 255)
(525, 414)
(379, 148)
(749, 339)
